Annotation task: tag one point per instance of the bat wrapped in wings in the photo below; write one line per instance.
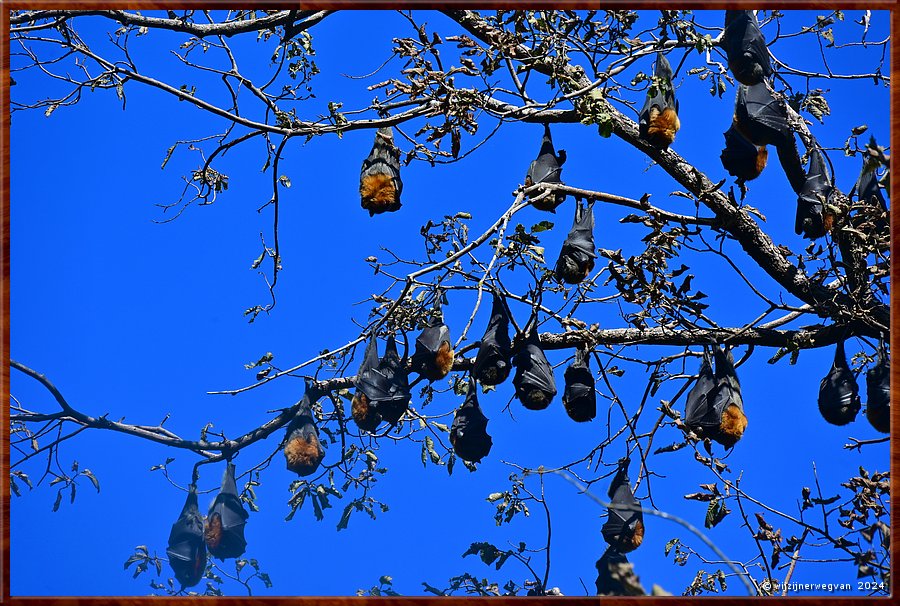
(302, 449)
(433, 357)
(878, 392)
(494, 359)
(225, 521)
(363, 410)
(715, 407)
(624, 528)
(468, 434)
(186, 549)
(838, 392)
(741, 158)
(379, 180)
(745, 47)
(658, 121)
(763, 120)
(547, 168)
(579, 396)
(868, 191)
(534, 382)
(814, 219)
(386, 387)
(576, 259)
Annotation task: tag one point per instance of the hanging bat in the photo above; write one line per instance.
(741, 158)
(186, 549)
(387, 386)
(224, 531)
(302, 450)
(624, 528)
(363, 411)
(468, 434)
(607, 583)
(715, 408)
(534, 382)
(745, 47)
(869, 191)
(814, 219)
(547, 168)
(658, 120)
(727, 401)
(763, 120)
(576, 259)
(494, 359)
(379, 181)
(579, 396)
(838, 393)
(878, 392)
(433, 357)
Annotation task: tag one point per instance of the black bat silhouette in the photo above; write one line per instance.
(363, 410)
(186, 549)
(379, 180)
(302, 449)
(579, 396)
(814, 219)
(534, 382)
(658, 120)
(387, 386)
(838, 393)
(741, 158)
(224, 531)
(878, 392)
(624, 528)
(576, 259)
(547, 168)
(468, 434)
(745, 47)
(715, 407)
(494, 359)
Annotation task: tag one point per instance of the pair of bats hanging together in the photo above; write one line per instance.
(222, 533)
(839, 400)
(760, 120)
(303, 452)
(715, 407)
(623, 531)
(382, 387)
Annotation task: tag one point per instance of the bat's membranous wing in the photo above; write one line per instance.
(433, 357)
(494, 359)
(579, 397)
(363, 411)
(838, 392)
(761, 117)
(699, 413)
(468, 434)
(390, 385)
(225, 520)
(741, 158)
(534, 382)
(186, 549)
(302, 449)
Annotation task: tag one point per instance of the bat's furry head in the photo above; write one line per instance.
(303, 454)
(570, 271)
(212, 531)
(444, 359)
(534, 398)
(746, 69)
(495, 373)
(732, 427)
(663, 126)
(550, 203)
(378, 193)
(633, 537)
(365, 415)
(762, 157)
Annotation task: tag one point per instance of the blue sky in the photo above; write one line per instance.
(139, 320)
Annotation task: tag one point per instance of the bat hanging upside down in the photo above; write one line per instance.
(659, 117)
(379, 181)
(302, 450)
